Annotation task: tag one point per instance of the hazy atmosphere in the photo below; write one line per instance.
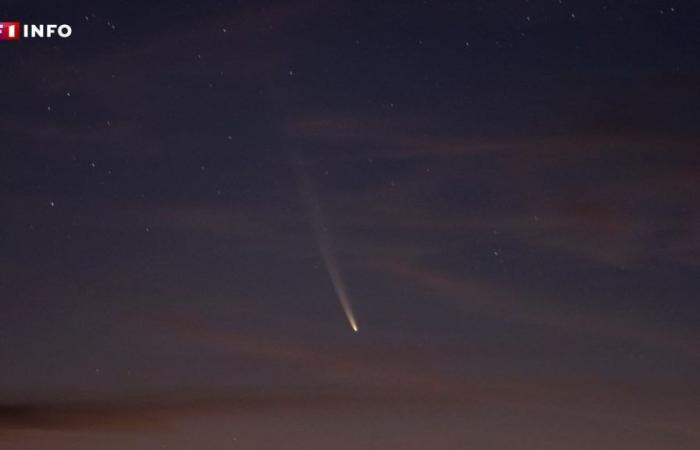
(353, 225)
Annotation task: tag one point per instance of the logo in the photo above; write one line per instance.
(9, 31)
(12, 31)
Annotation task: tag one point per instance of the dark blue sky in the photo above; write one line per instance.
(509, 191)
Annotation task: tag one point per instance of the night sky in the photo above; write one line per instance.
(506, 194)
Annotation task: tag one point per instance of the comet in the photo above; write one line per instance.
(323, 240)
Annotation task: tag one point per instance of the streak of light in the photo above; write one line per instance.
(323, 240)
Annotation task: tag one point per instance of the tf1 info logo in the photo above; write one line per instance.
(12, 31)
